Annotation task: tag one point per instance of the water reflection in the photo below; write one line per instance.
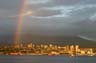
(46, 59)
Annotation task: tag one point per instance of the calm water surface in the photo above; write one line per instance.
(46, 59)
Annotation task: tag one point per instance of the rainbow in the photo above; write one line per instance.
(19, 22)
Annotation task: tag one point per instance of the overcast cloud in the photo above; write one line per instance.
(51, 17)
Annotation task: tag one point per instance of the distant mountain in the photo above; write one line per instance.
(56, 40)
(76, 41)
(79, 41)
(63, 40)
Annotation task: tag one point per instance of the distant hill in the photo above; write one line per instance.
(63, 40)
(76, 41)
(56, 40)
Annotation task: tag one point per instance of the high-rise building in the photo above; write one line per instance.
(72, 48)
(77, 48)
(29, 45)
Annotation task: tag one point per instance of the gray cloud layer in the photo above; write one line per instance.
(51, 17)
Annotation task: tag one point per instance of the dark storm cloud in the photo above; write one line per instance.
(8, 25)
(9, 7)
(10, 4)
(71, 12)
(45, 12)
(67, 2)
(51, 17)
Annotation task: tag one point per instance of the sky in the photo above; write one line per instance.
(49, 18)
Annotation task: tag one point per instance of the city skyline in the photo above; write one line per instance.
(47, 49)
(48, 18)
